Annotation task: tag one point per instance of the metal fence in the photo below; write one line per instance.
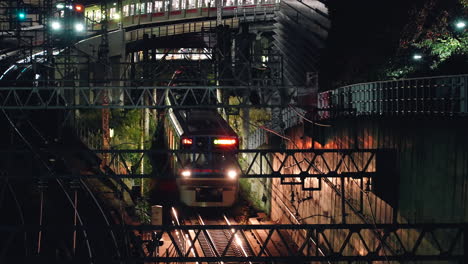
(442, 95)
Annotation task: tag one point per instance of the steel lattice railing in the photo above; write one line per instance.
(186, 97)
(304, 167)
(338, 242)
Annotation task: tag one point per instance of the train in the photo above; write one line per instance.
(131, 12)
(68, 18)
(206, 171)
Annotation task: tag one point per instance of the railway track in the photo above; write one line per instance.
(214, 243)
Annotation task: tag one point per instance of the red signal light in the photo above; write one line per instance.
(225, 141)
(79, 8)
(187, 141)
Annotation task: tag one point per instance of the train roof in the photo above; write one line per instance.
(204, 122)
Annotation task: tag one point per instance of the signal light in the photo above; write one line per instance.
(21, 15)
(60, 6)
(187, 141)
(79, 8)
(225, 141)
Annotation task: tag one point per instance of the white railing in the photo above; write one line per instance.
(441, 95)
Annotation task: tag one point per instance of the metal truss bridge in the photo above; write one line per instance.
(328, 243)
(141, 97)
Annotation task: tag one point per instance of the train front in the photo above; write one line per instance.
(208, 176)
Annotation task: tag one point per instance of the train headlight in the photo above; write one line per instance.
(79, 27)
(186, 173)
(232, 174)
(55, 25)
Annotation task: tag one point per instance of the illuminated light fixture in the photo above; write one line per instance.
(55, 25)
(116, 16)
(460, 24)
(79, 8)
(187, 141)
(417, 57)
(224, 141)
(186, 173)
(79, 27)
(232, 174)
(60, 6)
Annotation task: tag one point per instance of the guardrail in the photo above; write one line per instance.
(441, 95)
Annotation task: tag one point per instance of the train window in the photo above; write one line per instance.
(191, 4)
(205, 3)
(175, 5)
(97, 15)
(149, 7)
(132, 9)
(137, 8)
(183, 4)
(125, 11)
(112, 12)
(249, 2)
(198, 159)
(158, 6)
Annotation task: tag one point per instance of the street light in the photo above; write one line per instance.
(417, 57)
(460, 24)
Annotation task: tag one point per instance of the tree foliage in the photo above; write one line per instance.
(431, 32)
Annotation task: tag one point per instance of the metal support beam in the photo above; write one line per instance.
(338, 242)
(31, 98)
(302, 164)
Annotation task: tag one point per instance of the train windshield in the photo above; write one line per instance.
(203, 160)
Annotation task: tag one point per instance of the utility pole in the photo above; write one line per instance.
(103, 55)
(219, 12)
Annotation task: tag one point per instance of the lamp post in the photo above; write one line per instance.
(460, 24)
(417, 57)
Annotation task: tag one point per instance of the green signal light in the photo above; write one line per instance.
(21, 15)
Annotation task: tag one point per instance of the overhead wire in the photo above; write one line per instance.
(51, 172)
(306, 119)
